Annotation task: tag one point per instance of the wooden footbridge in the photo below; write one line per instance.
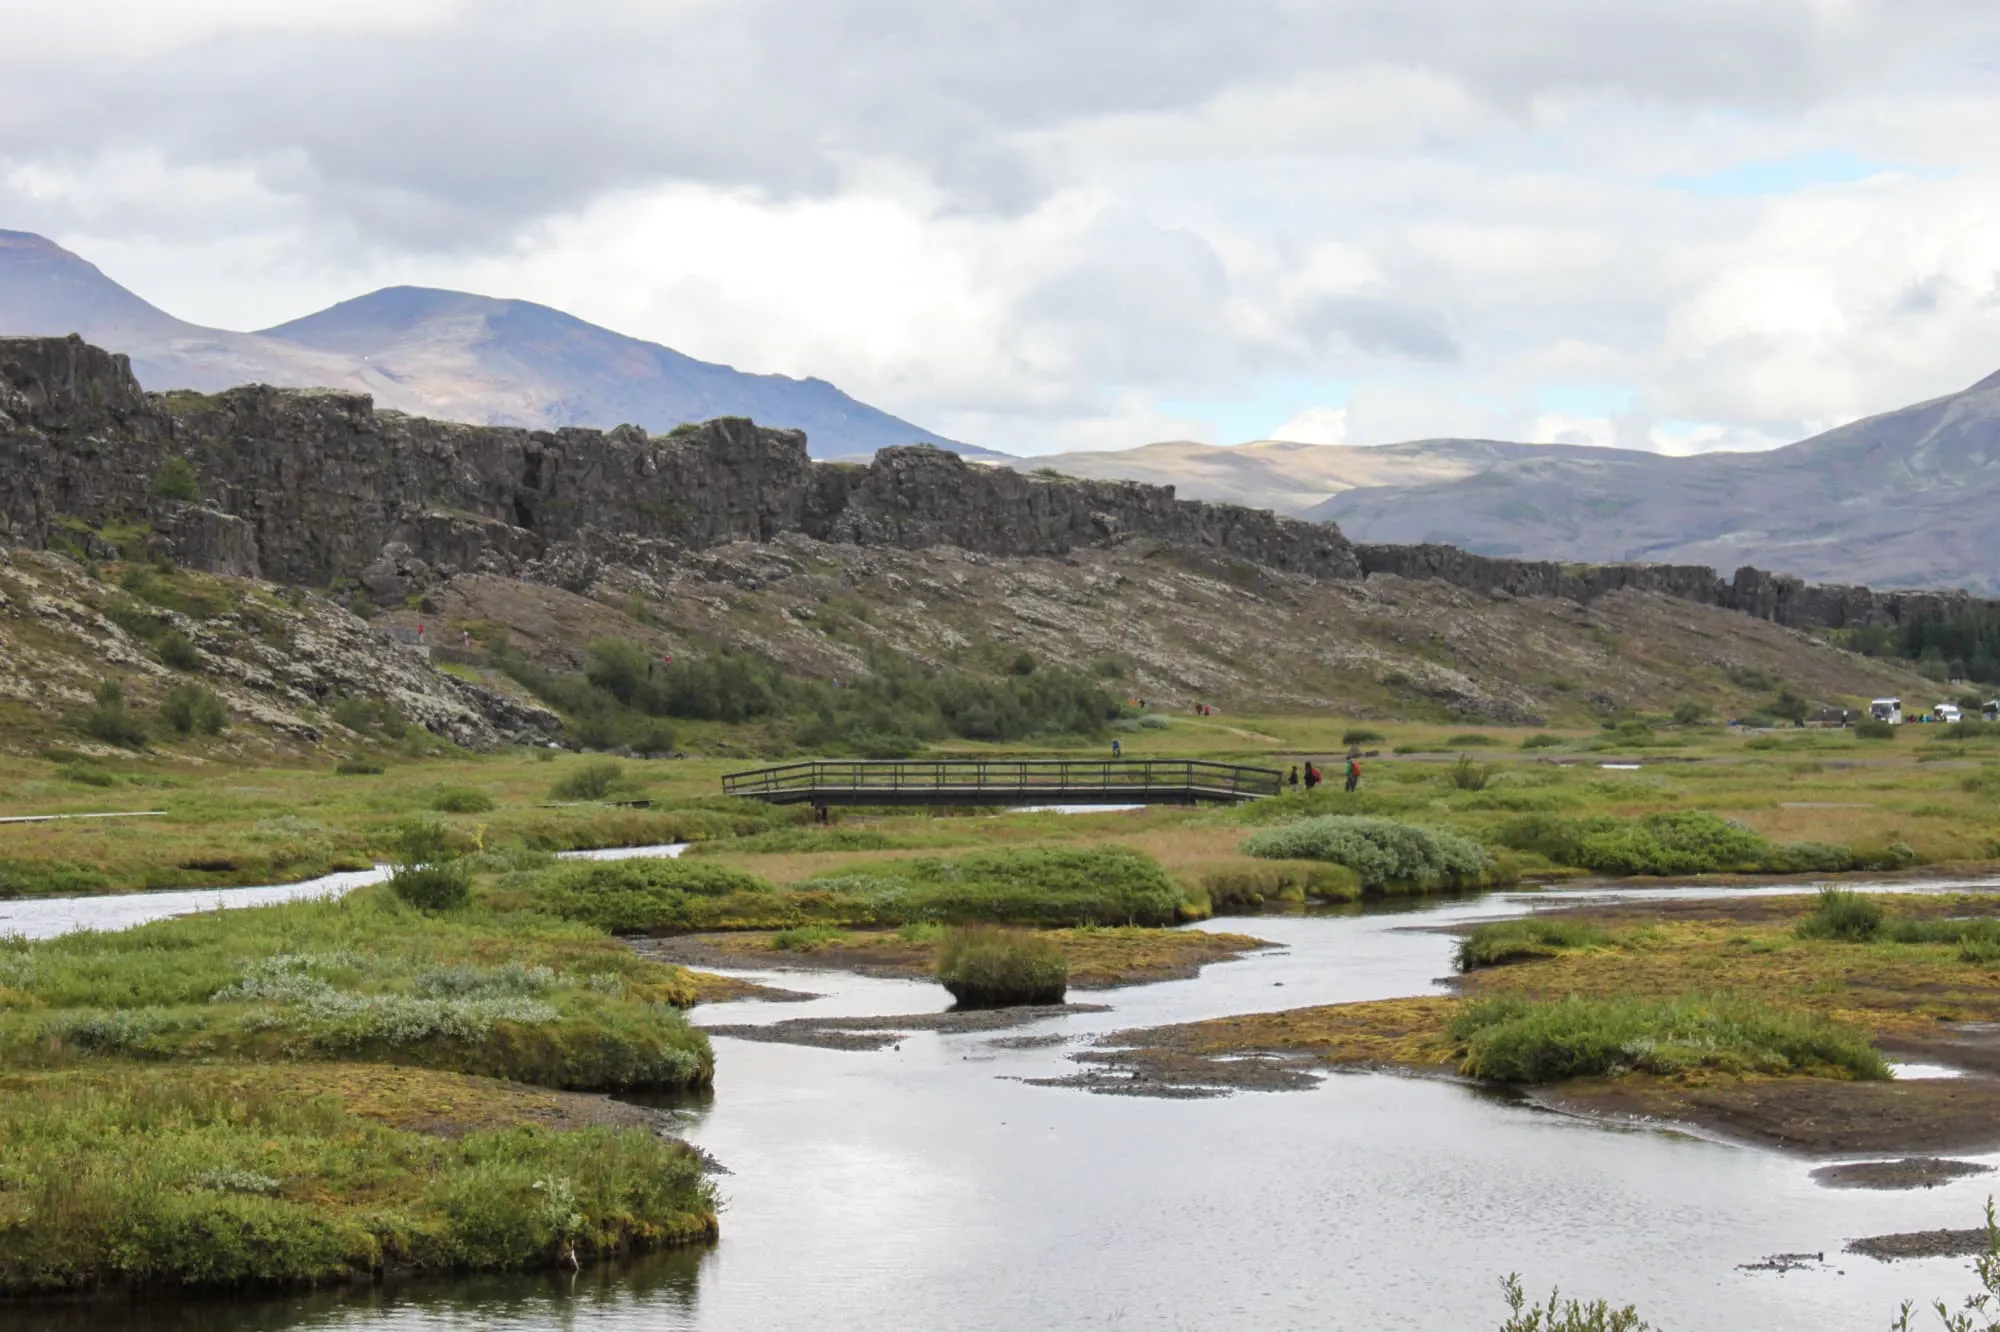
(823, 782)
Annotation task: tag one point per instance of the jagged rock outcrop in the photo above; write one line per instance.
(318, 488)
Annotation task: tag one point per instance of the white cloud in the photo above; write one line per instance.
(1315, 425)
(1039, 225)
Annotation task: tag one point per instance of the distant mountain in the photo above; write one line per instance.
(438, 353)
(1282, 475)
(1905, 499)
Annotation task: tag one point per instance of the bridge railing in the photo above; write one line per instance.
(854, 779)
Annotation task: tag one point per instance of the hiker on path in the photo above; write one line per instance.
(1312, 775)
(1293, 780)
(1353, 773)
(1116, 749)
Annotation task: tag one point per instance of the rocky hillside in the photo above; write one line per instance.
(728, 534)
(291, 670)
(434, 353)
(1177, 625)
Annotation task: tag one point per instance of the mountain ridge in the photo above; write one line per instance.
(437, 353)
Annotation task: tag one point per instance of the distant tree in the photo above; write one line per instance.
(1790, 706)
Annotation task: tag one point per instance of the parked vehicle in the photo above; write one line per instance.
(1992, 711)
(1887, 710)
(1947, 713)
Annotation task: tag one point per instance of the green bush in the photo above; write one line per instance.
(1465, 775)
(1876, 730)
(993, 968)
(177, 650)
(357, 768)
(1842, 913)
(112, 721)
(1061, 886)
(1530, 1041)
(1385, 853)
(640, 895)
(193, 709)
(1675, 842)
(428, 873)
(1810, 858)
(1507, 941)
(176, 480)
(1560, 1315)
(1471, 740)
(1689, 713)
(1361, 735)
(1234, 886)
(460, 800)
(1543, 741)
(596, 780)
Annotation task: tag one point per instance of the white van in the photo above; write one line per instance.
(1887, 710)
(1992, 711)
(1947, 713)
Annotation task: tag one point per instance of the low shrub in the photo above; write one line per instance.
(636, 896)
(791, 841)
(112, 720)
(1465, 775)
(357, 768)
(1534, 1041)
(595, 780)
(427, 872)
(193, 709)
(1361, 735)
(460, 800)
(1876, 730)
(1842, 913)
(1221, 887)
(1385, 853)
(1507, 941)
(1675, 842)
(1543, 741)
(177, 651)
(993, 968)
(1471, 740)
(1810, 858)
(176, 480)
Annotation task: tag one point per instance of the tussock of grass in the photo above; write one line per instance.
(222, 1176)
(1507, 941)
(1842, 913)
(1534, 1041)
(805, 938)
(994, 968)
(808, 839)
(1385, 854)
(1223, 885)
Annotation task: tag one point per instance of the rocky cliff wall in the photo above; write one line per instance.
(315, 488)
(312, 487)
(1767, 596)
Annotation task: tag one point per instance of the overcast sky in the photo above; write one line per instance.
(1049, 224)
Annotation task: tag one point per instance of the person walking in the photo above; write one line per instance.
(1116, 749)
(1312, 775)
(1293, 780)
(1353, 773)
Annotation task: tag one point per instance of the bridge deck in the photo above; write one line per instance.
(1003, 782)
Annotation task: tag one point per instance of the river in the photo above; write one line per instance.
(925, 1186)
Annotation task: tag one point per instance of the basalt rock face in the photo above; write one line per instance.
(1767, 596)
(316, 488)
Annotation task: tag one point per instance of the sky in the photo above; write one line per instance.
(1042, 225)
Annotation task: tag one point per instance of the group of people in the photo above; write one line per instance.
(1314, 777)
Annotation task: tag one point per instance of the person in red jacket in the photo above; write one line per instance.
(1353, 773)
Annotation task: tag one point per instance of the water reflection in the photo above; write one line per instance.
(927, 1186)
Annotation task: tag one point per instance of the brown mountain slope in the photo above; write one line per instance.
(1289, 477)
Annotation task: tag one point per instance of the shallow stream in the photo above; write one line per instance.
(924, 1186)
